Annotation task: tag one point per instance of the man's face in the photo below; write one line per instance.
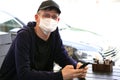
(53, 14)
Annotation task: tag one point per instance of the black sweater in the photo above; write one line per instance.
(25, 61)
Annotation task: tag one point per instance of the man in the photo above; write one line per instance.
(35, 49)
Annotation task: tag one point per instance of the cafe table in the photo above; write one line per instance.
(92, 75)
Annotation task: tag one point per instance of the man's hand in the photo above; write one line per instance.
(69, 72)
(83, 70)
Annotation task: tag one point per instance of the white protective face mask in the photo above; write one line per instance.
(48, 25)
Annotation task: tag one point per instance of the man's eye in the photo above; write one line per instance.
(47, 16)
(54, 17)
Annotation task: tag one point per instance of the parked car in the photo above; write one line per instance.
(7, 23)
(87, 45)
(81, 44)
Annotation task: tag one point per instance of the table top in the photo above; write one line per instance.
(114, 75)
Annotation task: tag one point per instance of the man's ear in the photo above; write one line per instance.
(36, 17)
(58, 19)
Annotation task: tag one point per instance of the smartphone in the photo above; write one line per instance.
(85, 64)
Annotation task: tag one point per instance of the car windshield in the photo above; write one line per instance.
(7, 22)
